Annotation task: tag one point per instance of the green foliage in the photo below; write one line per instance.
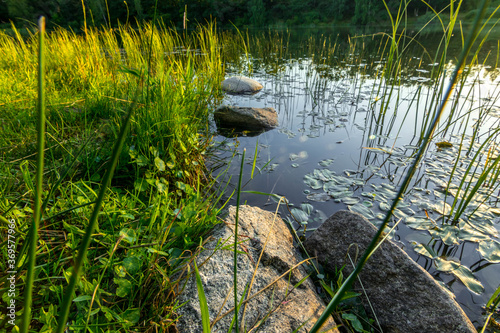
(159, 203)
(69, 13)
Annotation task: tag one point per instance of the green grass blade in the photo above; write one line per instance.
(350, 280)
(205, 317)
(82, 252)
(33, 240)
(235, 250)
(254, 158)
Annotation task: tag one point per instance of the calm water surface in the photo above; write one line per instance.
(347, 138)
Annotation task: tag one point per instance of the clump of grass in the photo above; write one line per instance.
(158, 204)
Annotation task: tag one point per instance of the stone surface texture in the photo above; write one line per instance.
(280, 308)
(404, 296)
(241, 85)
(239, 117)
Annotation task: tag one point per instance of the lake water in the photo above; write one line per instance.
(347, 137)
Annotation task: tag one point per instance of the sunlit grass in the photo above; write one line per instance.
(160, 200)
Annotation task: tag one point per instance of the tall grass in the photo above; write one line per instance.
(33, 239)
(117, 261)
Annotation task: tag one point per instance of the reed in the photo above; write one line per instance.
(33, 238)
(425, 142)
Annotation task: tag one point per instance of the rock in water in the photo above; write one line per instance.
(241, 85)
(404, 296)
(288, 307)
(245, 118)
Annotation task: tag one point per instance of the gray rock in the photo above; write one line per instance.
(227, 116)
(288, 307)
(241, 85)
(404, 296)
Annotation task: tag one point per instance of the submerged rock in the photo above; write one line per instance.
(241, 85)
(404, 296)
(245, 118)
(288, 307)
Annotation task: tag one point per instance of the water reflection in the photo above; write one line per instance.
(348, 135)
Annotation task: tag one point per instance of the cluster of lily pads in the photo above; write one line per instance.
(429, 208)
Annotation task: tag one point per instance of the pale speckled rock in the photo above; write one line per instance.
(227, 116)
(406, 298)
(300, 305)
(241, 85)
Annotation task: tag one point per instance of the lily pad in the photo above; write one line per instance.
(490, 250)
(319, 197)
(307, 208)
(313, 182)
(350, 200)
(384, 206)
(323, 174)
(363, 210)
(420, 223)
(424, 250)
(326, 162)
(300, 215)
(442, 208)
(340, 194)
(463, 273)
(332, 186)
(448, 234)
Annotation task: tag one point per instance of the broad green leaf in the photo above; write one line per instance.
(131, 316)
(160, 165)
(356, 324)
(132, 264)
(124, 287)
(161, 187)
(141, 184)
(82, 298)
(128, 235)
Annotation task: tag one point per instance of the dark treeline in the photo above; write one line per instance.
(69, 13)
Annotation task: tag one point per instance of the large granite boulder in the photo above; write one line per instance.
(405, 298)
(241, 85)
(245, 118)
(287, 307)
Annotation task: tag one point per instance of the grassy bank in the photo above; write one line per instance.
(160, 200)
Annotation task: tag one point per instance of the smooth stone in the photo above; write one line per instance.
(279, 256)
(241, 85)
(404, 296)
(245, 118)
